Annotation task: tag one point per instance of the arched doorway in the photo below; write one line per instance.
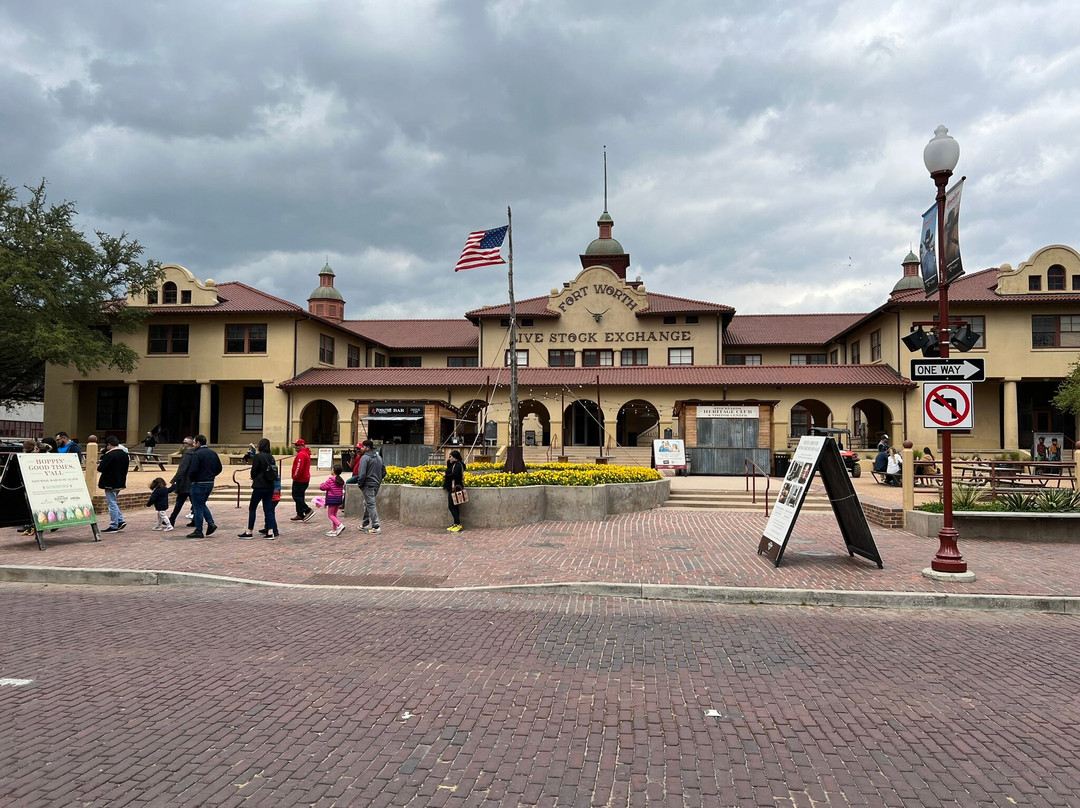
(319, 423)
(583, 424)
(870, 419)
(535, 419)
(637, 423)
(807, 413)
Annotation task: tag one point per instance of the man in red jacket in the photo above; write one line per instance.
(301, 476)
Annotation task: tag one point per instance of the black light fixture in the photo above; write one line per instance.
(932, 346)
(964, 339)
(916, 340)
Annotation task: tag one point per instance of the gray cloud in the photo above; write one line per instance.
(763, 155)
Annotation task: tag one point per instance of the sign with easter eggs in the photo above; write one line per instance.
(55, 491)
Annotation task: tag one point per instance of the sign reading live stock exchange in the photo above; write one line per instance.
(564, 337)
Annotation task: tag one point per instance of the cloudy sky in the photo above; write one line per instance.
(766, 155)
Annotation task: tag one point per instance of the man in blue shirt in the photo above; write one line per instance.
(65, 444)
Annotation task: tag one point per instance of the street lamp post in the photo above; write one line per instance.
(941, 156)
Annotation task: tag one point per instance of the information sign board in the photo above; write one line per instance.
(669, 453)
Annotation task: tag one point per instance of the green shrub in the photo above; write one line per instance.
(966, 497)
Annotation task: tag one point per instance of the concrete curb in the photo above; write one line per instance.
(747, 595)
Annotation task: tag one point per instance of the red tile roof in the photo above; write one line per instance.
(661, 375)
(787, 329)
(657, 304)
(981, 287)
(456, 334)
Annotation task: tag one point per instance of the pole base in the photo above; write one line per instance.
(948, 558)
(953, 577)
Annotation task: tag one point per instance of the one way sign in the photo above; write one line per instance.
(947, 370)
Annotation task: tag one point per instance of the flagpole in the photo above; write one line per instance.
(515, 462)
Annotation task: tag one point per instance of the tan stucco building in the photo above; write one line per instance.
(603, 363)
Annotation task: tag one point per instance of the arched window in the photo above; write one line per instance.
(168, 292)
(1055, 277)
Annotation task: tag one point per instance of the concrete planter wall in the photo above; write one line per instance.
(1007, 526)
(507, 507)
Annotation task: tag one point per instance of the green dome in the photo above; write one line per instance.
(908, 282)
(326, 293)
(605, 246)
(911, 258)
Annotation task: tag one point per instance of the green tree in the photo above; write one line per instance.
(1068, 392)
(62, 296)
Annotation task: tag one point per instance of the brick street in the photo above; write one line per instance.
(208, 696)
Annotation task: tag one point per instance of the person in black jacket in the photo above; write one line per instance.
(180, 484)
(454, 480)
(205, 466)
(112, 470)
(264, 473)
(159, 501)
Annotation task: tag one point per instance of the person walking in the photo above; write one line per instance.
(335, 498)
(264, 474)
(159, 501)
(454, 480)
(370, 472)
(205, 466)
(180, 484)
(301, 478)
(149, 442)
(112, 470)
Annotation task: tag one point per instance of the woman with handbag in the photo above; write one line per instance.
(454, 483)
(264, 477)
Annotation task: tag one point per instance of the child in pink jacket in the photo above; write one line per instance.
(335, 498)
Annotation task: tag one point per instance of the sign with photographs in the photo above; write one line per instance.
(818, 454)
(669, 453)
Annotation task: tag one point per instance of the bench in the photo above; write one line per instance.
(140, 460)
(880, 477)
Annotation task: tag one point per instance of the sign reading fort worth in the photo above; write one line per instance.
(601, 290)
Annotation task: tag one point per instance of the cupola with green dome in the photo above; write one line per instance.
(326, 301)
(606, 251)
(911, 278)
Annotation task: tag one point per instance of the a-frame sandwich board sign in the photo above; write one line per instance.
(48, 492)
(818, 455)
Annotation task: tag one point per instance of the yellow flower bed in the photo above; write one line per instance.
(488, 475)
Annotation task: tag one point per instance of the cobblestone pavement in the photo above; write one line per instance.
(663, 546)
(241, 697)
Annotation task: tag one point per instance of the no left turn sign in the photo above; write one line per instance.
(947, 405)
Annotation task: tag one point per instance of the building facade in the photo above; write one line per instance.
(603, 364)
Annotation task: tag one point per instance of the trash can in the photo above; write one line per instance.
(780, 464)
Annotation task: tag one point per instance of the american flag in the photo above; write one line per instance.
(482, 249)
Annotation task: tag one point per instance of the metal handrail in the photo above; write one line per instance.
(750, 469)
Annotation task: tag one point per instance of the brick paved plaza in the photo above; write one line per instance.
(663, 546)
(162, 696)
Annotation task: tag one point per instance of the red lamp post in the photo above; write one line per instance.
(941, 156)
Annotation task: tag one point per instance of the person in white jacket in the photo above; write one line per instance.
(893, 468)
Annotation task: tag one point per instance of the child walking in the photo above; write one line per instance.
(335, 498)
(159, 500)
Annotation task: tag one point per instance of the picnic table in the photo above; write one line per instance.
(1005, 476)
(140, 460)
